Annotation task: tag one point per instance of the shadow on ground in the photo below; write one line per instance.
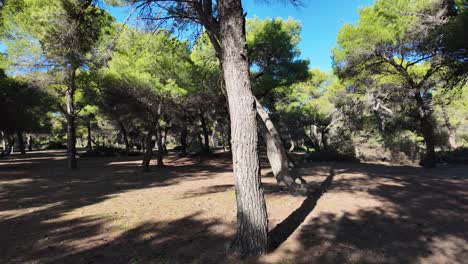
(423, 217)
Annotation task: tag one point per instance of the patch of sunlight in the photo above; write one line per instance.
(18, 212)
(447, 249)
(17, 181)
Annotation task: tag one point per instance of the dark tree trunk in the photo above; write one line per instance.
(206, 133)
(427, 130)
(159, 138)
(183, 138)
(89, 146)
(148, 152)
(70, 116)
(21, 145)
(30, 143)
(252, 219)
(200, 142)
(164, 143)
(125, 138)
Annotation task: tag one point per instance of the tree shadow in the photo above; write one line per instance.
(186, 240)
(37, 196)
(283, 230)
(421, 219)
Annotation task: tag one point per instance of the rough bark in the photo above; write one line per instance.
(427, 130)
(252, 219)
(277, 155)
(452, 130)
(21, 146)
(148, 152)
(70, 116)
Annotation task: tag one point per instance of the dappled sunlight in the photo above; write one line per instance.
(369, 213)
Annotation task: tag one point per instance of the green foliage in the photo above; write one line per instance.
(273, 54)
(22, 106)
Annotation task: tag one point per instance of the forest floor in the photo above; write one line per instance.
(107, 211)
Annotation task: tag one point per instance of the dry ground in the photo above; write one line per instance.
(107, 211)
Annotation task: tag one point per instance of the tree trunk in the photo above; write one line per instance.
(293, 145)
(30, 143)
(164, 142)
(206, 133)
(70, 116)
(427, 130)
(277, 154)
(183, 138)
(125, 138)
(4, 141)
(159, 138)
(252, 219)
(21, 145)
(89, 146)
(148, 151)
(452, 131)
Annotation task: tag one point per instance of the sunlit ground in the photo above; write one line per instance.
(108, 211)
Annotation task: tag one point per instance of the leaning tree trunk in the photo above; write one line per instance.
(148, 151)
(21, 145)
(252, 219)
(427, 129)
(70, 116)
(277, 154)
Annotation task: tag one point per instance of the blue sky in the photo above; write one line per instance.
(321, 20)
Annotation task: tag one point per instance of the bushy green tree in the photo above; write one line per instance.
(398, 47)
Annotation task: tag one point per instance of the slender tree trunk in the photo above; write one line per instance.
(148, 151)
(427, 130)
(89, 146)
(293, 145)
(30, 143)
(200, 142)
(183, 138)
(252, 219)
(4, 143)
(70, 116)
(21, 145)
(324, 136)
(277, 154)
(159, 138)
(164, 143)
(125, 138)
(206, 133)
(452, 131)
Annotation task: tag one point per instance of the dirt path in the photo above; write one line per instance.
(107, 211)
